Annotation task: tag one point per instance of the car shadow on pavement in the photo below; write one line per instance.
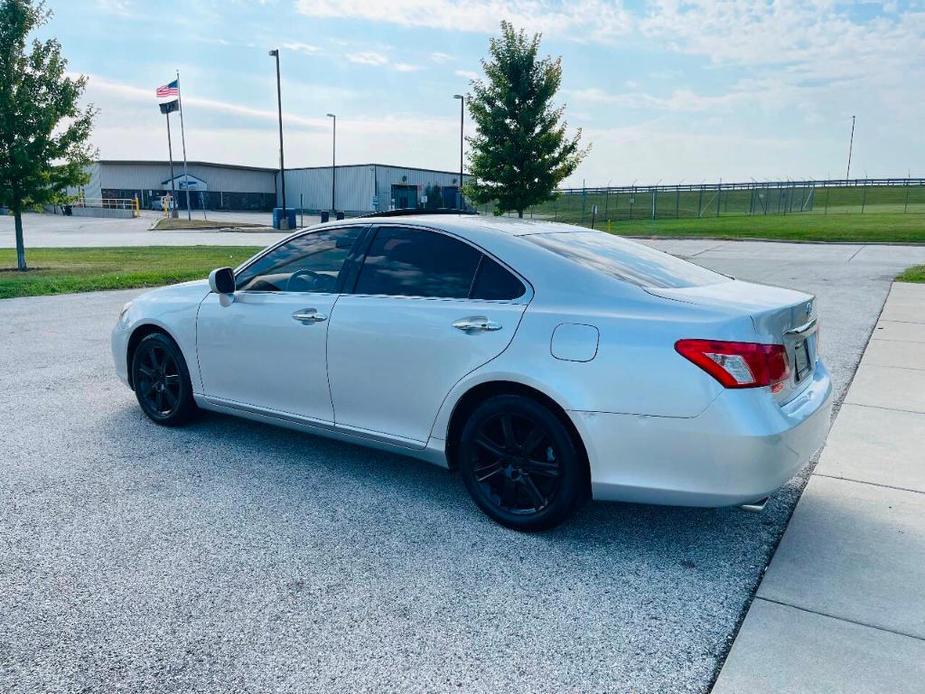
(352, 478)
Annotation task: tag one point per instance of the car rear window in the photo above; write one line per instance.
(626, 260)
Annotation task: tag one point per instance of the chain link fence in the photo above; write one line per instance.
(587, 206)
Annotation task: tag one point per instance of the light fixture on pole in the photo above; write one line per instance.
(284, 219)
(462, 103)
(333, 161)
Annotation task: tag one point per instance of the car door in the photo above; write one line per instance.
(266, 349)
(426, 309)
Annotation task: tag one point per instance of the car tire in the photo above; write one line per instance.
(520, 463)
(161, 381)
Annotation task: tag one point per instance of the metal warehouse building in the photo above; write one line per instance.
(359, 188)
(214, 186)
(371, 187)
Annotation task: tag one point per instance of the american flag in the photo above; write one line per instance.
(171, 89)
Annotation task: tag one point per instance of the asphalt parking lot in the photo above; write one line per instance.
(233, 555)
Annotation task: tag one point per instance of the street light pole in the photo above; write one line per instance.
(462, 103)
(284, 220)
(333, 161)
(850, 147)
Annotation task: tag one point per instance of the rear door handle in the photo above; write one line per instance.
(476, 324)
(308, 315)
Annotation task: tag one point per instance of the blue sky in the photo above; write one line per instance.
(665, 90)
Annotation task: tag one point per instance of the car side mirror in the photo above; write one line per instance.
(221, 281)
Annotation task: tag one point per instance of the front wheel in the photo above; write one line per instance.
(162, 382)
(520, 464)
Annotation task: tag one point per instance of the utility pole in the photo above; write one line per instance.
(462, 103)
(284, 219)
(333, 163)
(850, 147)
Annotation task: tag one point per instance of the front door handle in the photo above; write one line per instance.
(308, 315)
(476, 324)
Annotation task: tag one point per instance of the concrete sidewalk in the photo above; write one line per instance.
(842, 605)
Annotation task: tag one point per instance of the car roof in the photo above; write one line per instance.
(472, 226)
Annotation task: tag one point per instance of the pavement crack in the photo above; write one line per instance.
(842, 619)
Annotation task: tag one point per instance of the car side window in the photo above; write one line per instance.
(416, 262)
(493, 282)
(309, 263)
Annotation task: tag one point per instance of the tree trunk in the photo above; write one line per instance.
(20, 249)
(520, 214)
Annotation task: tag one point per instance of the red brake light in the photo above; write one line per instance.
(738, 364)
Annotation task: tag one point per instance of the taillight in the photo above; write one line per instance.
(739, 364)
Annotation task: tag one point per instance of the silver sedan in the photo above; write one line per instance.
(546, 363)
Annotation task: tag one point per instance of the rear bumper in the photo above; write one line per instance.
(742, 448)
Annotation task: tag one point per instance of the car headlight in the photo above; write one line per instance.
(124, 310)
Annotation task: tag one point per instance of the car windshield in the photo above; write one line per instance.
(625, 260)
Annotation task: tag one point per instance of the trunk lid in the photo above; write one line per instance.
(779, 316)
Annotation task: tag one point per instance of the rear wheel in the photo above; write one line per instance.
(520, 464)
(162, 382)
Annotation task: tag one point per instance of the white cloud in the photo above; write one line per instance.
(367, 58)
(439, 57)
(467, 74)
(120, 8)
(100, 87)
(593, 19)
(300, 47)
(407, 67)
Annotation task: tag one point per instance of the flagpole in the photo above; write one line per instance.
(189, 214)
(172, 209)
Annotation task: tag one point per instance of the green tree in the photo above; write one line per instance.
(521, 151)
(43, 130)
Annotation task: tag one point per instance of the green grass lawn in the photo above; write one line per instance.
(64, 270)
(916, 273)
(866, 228)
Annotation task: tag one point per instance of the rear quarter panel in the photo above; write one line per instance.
(636, 369)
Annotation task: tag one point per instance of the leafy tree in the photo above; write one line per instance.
(43, 131)
(521, 152)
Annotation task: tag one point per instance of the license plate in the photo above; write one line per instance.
(801, 358)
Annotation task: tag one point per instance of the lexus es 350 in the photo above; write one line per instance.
(544, 362)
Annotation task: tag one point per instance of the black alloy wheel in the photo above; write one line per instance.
(161, 381)
(520, 464)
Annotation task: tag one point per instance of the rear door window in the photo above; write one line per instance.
(626, 260)
(403, 261)
(493, 282)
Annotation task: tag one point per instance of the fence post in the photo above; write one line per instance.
(863, 198)
(827, 200)
(677, 203)
(584, 196)
(700, 203)
(654, 193)
(607, 205)
(906, 204)
(719, 196)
